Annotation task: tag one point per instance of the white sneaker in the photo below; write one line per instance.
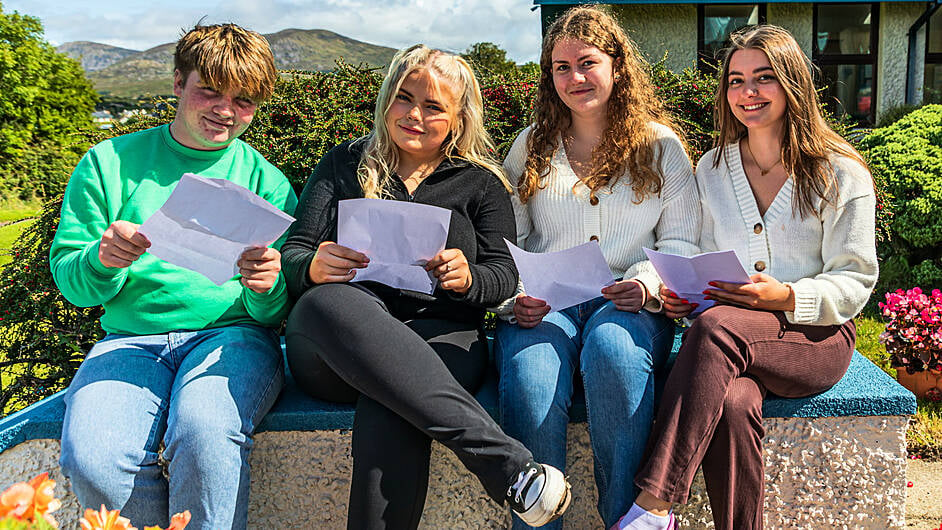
(540, 495)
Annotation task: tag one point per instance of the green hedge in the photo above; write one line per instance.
(43, 337)
(907, 157)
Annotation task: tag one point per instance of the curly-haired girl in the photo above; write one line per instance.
(602, 161)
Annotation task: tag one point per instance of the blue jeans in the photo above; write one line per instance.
(201, 393)
(617, 353)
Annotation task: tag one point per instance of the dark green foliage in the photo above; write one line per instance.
(907, 158)
(44, 100)
(688, 95)
(894, 113)
(43, 337)
(488, 59)
(311, 112)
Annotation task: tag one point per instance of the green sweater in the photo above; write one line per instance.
(129, 178)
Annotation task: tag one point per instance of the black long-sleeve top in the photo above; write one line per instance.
(481, 217)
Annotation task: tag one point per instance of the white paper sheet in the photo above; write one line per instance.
(563, 278)
(399, 238)
(206, 224)
(688, 276)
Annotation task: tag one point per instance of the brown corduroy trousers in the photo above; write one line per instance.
(711, 409)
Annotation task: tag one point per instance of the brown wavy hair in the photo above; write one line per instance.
(627, 143)
(807, 141)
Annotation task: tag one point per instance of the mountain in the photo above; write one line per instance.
(151, 71)
(93, 55)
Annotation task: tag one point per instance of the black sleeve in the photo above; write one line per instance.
(494, 276)
(316, 215)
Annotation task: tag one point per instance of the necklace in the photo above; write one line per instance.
(762, 172)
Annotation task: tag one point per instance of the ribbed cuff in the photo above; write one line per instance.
(807, 303)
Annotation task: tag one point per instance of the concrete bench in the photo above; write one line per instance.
(834, 459)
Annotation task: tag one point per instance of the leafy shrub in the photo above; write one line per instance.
(43, 337)
(907, 158)
(44, 99)
(894, 113)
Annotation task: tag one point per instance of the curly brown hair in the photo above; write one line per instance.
(808, 141)
(627, 143)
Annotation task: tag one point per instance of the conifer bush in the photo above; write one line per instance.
(907, 158)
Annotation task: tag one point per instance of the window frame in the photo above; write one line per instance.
(702, 58)
(856, 59)
(929, 57)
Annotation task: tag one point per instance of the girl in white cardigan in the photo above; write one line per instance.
(796, 202)
(601, 162)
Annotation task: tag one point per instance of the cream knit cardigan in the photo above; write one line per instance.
(829, 260)
(560, 216)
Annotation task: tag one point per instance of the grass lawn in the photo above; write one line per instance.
(14, 217)
(924, 436)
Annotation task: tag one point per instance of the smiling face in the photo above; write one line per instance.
(755, 96)
(421, 116)
(583, 77)
(207, 119)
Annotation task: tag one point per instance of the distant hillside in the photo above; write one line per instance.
(93, 55)
(151, 71)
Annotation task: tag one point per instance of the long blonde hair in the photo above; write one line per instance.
(467, 139)
(628, 140)
(808, 140)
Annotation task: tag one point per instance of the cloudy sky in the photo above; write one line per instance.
(447, 24)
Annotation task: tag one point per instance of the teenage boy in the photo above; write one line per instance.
(185, 363)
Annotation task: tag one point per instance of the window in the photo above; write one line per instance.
(845, 43)
(716, 22)
(932, 78)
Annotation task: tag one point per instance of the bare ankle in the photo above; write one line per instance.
(653, 504)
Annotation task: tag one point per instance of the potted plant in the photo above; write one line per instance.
(913, 338)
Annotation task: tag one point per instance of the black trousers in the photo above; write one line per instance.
(410, 378)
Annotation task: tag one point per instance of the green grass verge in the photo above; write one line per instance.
(924, 436)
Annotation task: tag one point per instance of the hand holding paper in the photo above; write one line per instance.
(564, 278)
(398, 238)
(206, 225)
(765, 292)
(688, 277)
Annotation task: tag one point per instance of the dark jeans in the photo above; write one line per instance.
(410, 378)
(711, 409)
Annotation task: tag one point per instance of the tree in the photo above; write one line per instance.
(488, 58)
(44, 99)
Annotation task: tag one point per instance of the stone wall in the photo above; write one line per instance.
(822, 472)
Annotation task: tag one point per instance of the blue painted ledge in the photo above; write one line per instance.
(865, 390)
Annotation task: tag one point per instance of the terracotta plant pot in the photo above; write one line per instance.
(920, 383)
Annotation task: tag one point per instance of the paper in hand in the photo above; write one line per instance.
(688, 277)
(399, 238)
(564, 278)
(206, 224)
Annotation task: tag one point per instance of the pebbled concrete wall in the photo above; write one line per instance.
(821, 472)
(662, 28)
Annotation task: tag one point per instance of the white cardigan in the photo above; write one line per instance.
(829, 260)
(560, 216)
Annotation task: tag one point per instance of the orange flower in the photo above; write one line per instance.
(31, 500)
(16, 500)
(177, 522)
(105, 520)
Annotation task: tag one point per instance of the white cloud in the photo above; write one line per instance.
(451, 25)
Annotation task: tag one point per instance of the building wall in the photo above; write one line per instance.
(895, 20)
(797, 19)
(660, 29)
(671, 29)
